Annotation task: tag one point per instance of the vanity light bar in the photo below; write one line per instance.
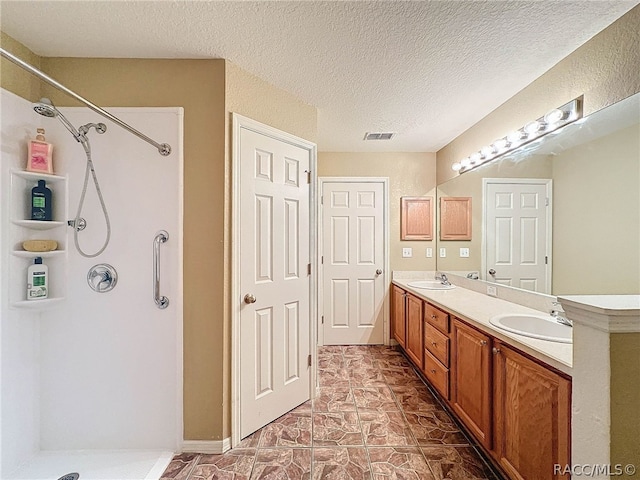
(553, 120)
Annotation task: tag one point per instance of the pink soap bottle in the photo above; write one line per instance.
(40, 154)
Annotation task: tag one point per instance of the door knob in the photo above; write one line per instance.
(378, 272)
(248, 298)
(492, 271)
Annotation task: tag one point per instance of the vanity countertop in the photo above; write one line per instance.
(477, 309)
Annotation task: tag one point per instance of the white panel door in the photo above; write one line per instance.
(516, 227)
(274, 282)
(353, 259)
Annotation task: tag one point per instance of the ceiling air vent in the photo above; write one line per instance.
(378, 135)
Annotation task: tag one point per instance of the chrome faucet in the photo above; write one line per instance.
(443, 278)
(558, 315)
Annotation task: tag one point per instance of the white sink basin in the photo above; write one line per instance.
(544, 327)
(430, 285)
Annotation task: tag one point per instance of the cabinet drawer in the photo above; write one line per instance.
(437, 318)
(437, 343)
(437, 374)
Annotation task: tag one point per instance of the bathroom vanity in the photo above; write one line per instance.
(512, 393)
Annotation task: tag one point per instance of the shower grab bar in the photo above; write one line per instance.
(163, 148)
(161, 301)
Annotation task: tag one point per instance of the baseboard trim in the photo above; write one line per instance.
(206, 446)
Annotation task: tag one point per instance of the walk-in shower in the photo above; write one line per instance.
(122, 353)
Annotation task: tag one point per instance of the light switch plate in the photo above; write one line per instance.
(443, 252)
(407, 252)
(429, 253)
(491, 290)
(464, 252)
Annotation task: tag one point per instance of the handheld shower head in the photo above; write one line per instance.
(45, 108)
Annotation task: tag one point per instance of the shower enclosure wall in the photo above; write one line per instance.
(92, 382)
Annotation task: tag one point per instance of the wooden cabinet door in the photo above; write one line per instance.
(471, 380)
(532, 412)
(398, 316)
(414, 340)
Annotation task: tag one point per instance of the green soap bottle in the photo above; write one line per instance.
(41, 207)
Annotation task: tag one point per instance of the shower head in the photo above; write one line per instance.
(45, 108)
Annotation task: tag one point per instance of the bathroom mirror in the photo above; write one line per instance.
(587, 240)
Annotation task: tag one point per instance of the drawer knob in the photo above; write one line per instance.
(483, 342)
(433, 343)
(433, 316)
(433, 371)
(496, 350)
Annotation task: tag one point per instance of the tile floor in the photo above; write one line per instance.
(373, 420)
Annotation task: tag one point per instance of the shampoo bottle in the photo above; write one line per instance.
(40, 154)
(41, 199)
(37, 280)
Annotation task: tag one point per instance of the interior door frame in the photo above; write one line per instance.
(385, 225)
(240, 122)
(549, 224)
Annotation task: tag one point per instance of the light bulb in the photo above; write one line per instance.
(517, 136)
(456, 167)
(554, 116)
(475, 158)
(500, 144)
(488, 151)
(465, 162)
(534, 127)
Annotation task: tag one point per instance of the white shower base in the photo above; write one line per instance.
(96, 465)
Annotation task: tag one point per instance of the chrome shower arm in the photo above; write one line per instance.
(163, 148)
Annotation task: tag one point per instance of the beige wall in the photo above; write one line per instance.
(410, 174)
(605, 70)
(14, 78)
(625, 399)
(252, 97)
(596, 224)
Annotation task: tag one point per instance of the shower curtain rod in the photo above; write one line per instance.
(163, 148)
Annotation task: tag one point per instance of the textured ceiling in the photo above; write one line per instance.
(427, 70)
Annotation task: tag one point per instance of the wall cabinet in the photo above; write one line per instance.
(471, 382)
(517, 408)
(455, 218)
(531, 416)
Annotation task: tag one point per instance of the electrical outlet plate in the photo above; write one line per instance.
(491, 290)
(429, 252)
(464, 252)
(443, 252)
(407, 252)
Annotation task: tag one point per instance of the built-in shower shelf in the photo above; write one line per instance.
(23, 228)
(33, 176)
(25, 254)
(38, 304)
(38, 224)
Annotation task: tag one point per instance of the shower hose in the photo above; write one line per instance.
(90, 169)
